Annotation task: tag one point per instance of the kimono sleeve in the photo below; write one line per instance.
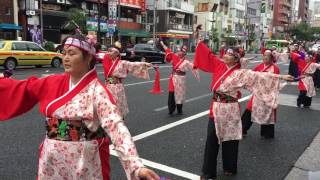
(19, 96)
(205, 59)
(264, 86)
(169, 55)
(295, 57)
(113, 124)
(137, 69)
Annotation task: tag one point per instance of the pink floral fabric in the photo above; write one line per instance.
(308, 80)
(137, 69)
(80, 160)
(272, 118)
(180, 81)
(264, 86)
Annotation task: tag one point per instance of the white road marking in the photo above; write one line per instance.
(187, 101)
(177, 123)
(162, 167)
(291, 100)
(144, 82)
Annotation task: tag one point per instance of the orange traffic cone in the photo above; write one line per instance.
(156, 86)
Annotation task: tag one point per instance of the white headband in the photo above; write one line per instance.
(84, 45)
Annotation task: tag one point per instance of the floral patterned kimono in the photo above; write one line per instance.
(77, 118)
(226, 85)
(115, 72)
(273, 69)
(177, 81)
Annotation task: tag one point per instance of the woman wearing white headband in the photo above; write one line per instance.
(116, 70)
(224, 126)
(177, 81)
(267, 125)
(80, 113)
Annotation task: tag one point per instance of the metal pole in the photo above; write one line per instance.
(119, 14)
(154, 23)
(41, 21)
(15, 16)
(99, 15)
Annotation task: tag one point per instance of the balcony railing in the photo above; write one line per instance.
(184, 6)
(284, 19)
(283, 11)
(180, 27)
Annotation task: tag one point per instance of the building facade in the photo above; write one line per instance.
(282, 11)
(174, 21)
(303, 10)
(9, 26)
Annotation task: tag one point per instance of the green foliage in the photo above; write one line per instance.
(303, 31)
(231, 40)
(78, 16)
(49, 46)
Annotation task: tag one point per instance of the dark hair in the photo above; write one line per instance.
(84, 53)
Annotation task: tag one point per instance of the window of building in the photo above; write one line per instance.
(239, 1)
(8, 11)
(239, 13)
(203, 7)
(252, 11)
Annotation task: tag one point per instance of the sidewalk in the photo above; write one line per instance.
(308, 165)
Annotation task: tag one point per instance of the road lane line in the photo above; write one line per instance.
(177, 123)
(187, 101)
(162, 167)
(144, 82)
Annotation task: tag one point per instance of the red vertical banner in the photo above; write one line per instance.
(143, 5)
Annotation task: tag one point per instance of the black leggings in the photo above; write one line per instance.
(172, 104)
(266, 130)
(229, 153)
(303, 99)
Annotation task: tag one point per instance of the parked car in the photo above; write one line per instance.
(144, 52)
(26, 53)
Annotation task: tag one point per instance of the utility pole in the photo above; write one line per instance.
(99, 16)
(41, 21)
(15, 16)
(119, 16)
(154, 22)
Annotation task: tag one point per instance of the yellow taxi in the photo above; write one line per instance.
(26, 53)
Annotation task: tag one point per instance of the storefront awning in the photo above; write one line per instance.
(9, 26)
(176, 36)
(135, 33)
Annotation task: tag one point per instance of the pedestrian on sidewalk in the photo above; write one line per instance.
(116, 70)
(80, 113)
(267, 127)
(306, 85)
(177, 81)
(224, 127)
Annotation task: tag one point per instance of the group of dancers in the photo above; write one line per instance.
(82, 112)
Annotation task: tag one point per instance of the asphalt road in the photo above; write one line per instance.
(172, 146)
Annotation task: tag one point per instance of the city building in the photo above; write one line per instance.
(9, 26)
(303, 10)
(282, 11)
(173, 22)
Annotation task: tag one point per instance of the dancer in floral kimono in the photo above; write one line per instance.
(224, 125)
(267, 127)
(177, 81)
(306, 84)
(116, 70)
(79, 112)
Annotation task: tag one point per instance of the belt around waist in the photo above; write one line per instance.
(223, 98)
(180, 73)
(113, 80)
(71, 130)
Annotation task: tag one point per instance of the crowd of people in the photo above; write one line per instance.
(82, 112)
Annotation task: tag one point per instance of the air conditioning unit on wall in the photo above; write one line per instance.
(60, 1)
